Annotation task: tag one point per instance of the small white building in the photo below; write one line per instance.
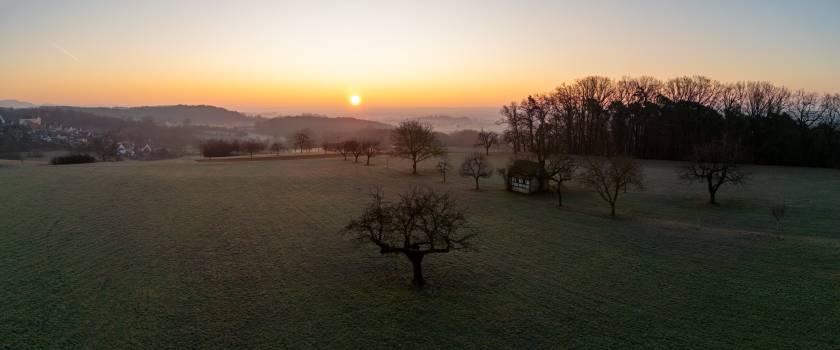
(2, 121)
(522, 176)
(31, 122)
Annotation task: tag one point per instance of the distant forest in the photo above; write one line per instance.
(648, 118)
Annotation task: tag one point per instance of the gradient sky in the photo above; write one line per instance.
(311, 55)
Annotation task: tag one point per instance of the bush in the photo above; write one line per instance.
(219, 148)
(73, 159)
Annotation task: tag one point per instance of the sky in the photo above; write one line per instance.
(311, 56)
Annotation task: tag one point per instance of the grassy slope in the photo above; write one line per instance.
(179, 254)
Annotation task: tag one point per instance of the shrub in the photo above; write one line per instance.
(73, 159)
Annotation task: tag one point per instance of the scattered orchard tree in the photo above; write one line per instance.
(443, 165)
(560, 168)
(370, 149)
(415, 141)
(346, 147)
(330, 146)
(475, 165)
(356, 150)
(421, 222)
(302, 140)
(715, 165)
(487, 139)
(252, 146)
(611, 177)
(277, 147)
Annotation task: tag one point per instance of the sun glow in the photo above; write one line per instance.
(355, 100)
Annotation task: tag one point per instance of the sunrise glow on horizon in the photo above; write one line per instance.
(317, 56)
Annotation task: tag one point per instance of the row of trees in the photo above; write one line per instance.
(648, 118)
(225, 148)
(356, 149)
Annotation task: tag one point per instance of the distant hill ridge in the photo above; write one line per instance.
(193, 114)
(317, 123)
(16, 104)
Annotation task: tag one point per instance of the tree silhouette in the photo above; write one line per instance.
(715, 165)
(415, 141)
(476, 166)
(611, 177)
(419, 223)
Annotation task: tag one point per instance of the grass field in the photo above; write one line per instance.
(179, 254)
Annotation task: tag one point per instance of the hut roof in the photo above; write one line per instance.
(523, 168)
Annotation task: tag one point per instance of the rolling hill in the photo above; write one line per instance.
(179, 114)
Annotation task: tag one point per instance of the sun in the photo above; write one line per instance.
(355, 100)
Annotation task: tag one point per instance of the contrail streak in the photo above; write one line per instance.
(64, 51)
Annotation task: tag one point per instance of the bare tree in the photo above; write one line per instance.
(346, 147)
(698, 89)
(806, 108)
(252, 146)
(560, 168)
(715, 165)
(370, 149)
(302, 140)
(355, 149)
(415, 141)
(421, 222)
(487, 139)
(611, 177)
(475, 165)
(444, 165)
(276, 147)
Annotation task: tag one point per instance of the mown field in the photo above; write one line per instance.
(179, 254)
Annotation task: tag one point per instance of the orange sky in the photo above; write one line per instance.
(281, 55)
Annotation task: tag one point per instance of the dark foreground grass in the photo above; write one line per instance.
(182, 255)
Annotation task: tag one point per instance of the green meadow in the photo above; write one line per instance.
(181, 254)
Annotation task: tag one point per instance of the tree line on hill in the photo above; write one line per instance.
(648, 118)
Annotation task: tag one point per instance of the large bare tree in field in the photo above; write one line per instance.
(487, 139)
(415, 141)
(559, 169)
(715, 165)
(419, 223)
(476, 166)
(611, 177)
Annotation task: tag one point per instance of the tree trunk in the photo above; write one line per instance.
(487, 151)
(414, 167)
(368, 161)
(712, 190)
(612, 207)
(476, 184)
(559, 197)
(444, 177)
(416, 264)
